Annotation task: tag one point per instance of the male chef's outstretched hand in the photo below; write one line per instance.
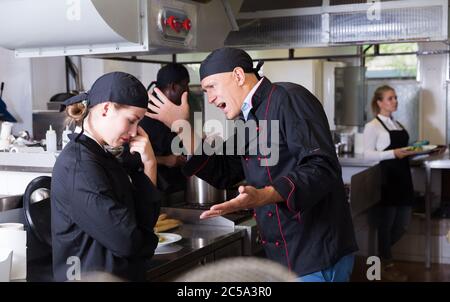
(249, 197)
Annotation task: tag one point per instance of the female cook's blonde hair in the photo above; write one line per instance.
(76, 113)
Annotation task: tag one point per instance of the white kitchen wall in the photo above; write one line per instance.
(91, 69)
(307, 73)
(17, 94)
(94, 68)
(432, 74)
(48, 77)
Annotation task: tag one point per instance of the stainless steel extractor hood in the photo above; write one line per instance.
(295, 24)
(78, 27)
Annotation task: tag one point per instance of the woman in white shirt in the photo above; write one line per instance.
(385, 140)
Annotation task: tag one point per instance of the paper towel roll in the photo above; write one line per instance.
(15, 239)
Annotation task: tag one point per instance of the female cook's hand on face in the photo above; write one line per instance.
(141, 144)
(165, 111)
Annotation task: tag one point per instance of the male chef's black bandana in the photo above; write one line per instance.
(226, 59)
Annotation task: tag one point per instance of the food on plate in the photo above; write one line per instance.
(415, 148)
(162, 216)
(165, 223)
(418, 146)
(161, 238)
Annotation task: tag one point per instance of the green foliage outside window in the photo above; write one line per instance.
(394, 65)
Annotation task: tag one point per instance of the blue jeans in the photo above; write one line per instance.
(339, 272)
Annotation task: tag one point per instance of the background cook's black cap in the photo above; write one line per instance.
(117, 87)
(225, 60)
(170, 73)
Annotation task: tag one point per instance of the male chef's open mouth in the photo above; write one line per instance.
(222, 105)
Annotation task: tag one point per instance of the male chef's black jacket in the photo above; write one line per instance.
(311, 229)
(103, 212)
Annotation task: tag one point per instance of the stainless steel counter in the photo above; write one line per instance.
(27, 162)
(203, 241)
(21, 162)
(356, 160)
(199, 245)
(26, 169)
(436, 161)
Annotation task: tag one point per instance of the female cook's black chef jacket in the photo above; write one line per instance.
(103, 212)
(311, 229)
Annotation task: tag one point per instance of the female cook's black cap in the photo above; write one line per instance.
(118, 87)
(226, 59)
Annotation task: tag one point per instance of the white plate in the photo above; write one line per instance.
(168, 238)
(168, 249)
(426, 149)
(429, 147)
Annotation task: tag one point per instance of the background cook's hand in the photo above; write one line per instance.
(402, 153)
(141, 144)
(172, 160)
(166, 111)
(249, 197)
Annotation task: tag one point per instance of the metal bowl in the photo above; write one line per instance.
(39, 195)
(200, 192)
(10, 202)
